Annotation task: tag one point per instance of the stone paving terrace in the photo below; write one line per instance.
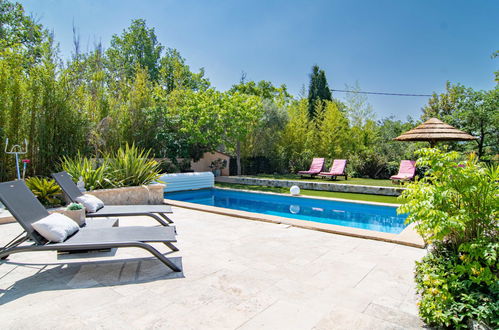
(237, 274)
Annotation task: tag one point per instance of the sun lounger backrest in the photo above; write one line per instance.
(67, 185)
(317, 164)
(23, 206)
(338, 166)
(407, 167)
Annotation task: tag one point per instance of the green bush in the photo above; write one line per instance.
(456, 288)
(46, 190)
(455, 202)
(167, 166)
(131, 166)
(455, 207)
(95, 176)
(368, 164)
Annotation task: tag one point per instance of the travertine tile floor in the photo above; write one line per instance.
(237, 274)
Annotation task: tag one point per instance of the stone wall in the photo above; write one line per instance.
(349, 188)
(203, 165)
(140, 195)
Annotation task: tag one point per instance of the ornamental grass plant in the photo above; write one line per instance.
(131, 166)
(95, 175)
(128, 166)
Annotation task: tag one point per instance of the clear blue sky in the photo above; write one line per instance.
(388, 46)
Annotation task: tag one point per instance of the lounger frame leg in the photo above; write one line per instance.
(171, 246)
(164, 216)
(12, 244)
(96, 246)
(157, 218)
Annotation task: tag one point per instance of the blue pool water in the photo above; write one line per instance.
(372, 217)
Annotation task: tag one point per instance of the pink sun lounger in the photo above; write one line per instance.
(315, 167)
(407, 171)
(338, 169)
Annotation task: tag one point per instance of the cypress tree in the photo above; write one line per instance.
(317, 90)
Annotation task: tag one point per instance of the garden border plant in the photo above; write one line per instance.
(46, 190)
(129, 166)
(455, 209)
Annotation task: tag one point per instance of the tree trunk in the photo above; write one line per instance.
(481, 141)
(238, 157)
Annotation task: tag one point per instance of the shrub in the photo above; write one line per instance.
(455, 207)
(95, 176)
(184, 165)
(392, 168)
(131, 166)
(369, 164)
(456, 288)
(455, 202)
(218, 164)
(46, 190)
(167, 166)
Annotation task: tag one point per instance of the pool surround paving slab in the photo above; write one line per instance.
(237, 274)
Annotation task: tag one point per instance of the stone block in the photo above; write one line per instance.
(139, 195)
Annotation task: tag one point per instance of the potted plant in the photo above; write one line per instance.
(218, 165)
(76, 211)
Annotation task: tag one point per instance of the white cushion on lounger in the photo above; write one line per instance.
(91, 203)
(56, 227)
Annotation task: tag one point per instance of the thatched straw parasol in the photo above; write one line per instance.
(433, 131)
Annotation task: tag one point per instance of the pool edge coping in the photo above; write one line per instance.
(407, 237)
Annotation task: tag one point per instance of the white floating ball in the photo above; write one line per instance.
(295, 209)
(294, 190)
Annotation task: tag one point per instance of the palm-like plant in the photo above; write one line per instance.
(95, 176)
(46, 190)
(131, 166)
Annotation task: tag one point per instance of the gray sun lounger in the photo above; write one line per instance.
(26, 209)
(158, 212)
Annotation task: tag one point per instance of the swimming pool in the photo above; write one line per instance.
(365, 216)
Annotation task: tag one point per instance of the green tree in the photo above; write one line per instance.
(86, 75)
(496, 54)
(296, 138)
(479, 115)
(264, 89)
(332, 131)
(134, 125)
(318, 89)
(137, 47)
(174, 73)
(16, 28)
(263, 139)
(240, 117)
(12, 102)
(444, 105)
(357, 106)
(200, 119)
(472, 111)
(388, 129)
